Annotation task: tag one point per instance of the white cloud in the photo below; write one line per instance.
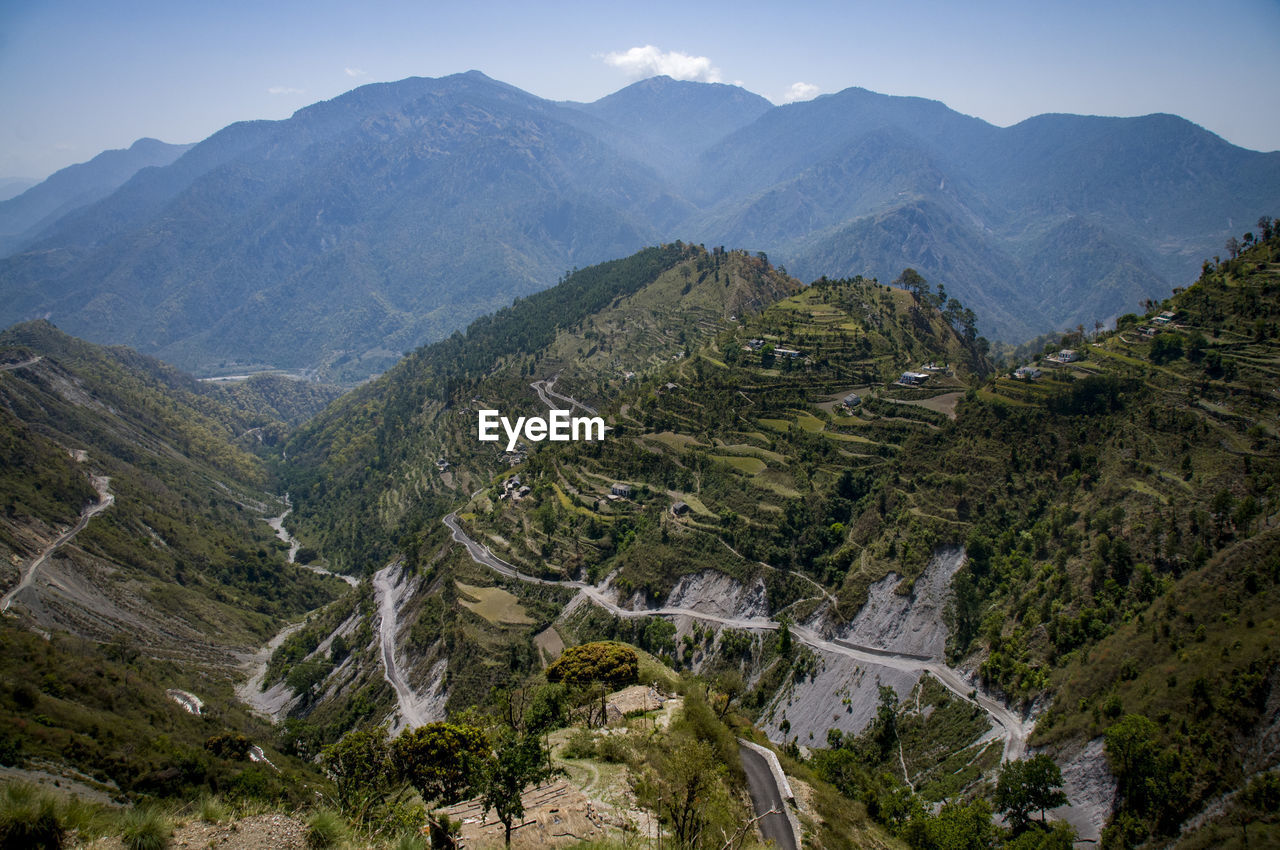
(356, 72)
(800, 91)
(649, 61)
(284, 90)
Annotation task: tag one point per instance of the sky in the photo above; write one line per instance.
(79, 77)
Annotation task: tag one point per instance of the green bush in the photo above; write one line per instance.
(145, 829)
(29, 819)
(614, 664)
(581, 745)
(326, 828)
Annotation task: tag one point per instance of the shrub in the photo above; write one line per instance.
(581, 745)
(614, 664)
(326, 828)
(213, 810)
(145, 829)
(29, 819)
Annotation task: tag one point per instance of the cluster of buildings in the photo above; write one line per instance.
(1163, 322)
(1063, 357)
(757, 344)
(514, 490)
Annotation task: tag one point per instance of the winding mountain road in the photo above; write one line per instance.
(766, 799)
(545, 391)
(31, 361)
(106, 499)
(1015, 729)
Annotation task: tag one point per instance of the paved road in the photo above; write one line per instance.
(9, 367)
(1015, 730)
(767, 800)
(106, 499)
(546, 393)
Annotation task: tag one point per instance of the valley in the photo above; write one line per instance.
(824, 519)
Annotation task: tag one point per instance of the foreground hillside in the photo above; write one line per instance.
(395, 455)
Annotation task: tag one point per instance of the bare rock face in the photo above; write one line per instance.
(910, 623)
(713, 592)
(843, 694)
(1090, 788)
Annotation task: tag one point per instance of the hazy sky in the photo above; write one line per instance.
(80, 77)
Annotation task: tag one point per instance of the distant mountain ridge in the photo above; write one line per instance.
(75, 186)
(390, 216)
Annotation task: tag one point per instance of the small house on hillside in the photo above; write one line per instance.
(679, 509)
(851, 401)
(786, 352)
(1026, 373)
(1066, 355)
(622, 491)
(913, 379)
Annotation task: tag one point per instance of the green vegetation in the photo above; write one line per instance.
(775, 469)
(613, 664)
(145, 828)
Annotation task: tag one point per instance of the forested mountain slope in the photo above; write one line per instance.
(76, 186)
(1117, 508)
(396, 453)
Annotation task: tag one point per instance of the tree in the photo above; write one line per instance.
(728, 687)
(614, 664)
(1133, 753)
(442, 761)
(1233, 247)
(683, 786)
(1165, 347)
(956, 827)
(912, 281)
(884, 728)
(1028, 785)
(516, 762)
(360, 766)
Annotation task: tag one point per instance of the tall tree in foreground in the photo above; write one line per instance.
(517, 761)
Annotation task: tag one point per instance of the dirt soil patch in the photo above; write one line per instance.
(549, 644)
(259, 832)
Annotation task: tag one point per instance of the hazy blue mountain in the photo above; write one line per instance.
(1066, 219)
(668, 123)
(392, 215)
(25, 214)
(11, 187)
(352, 231)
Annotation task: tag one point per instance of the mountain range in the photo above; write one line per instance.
(390, 216)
